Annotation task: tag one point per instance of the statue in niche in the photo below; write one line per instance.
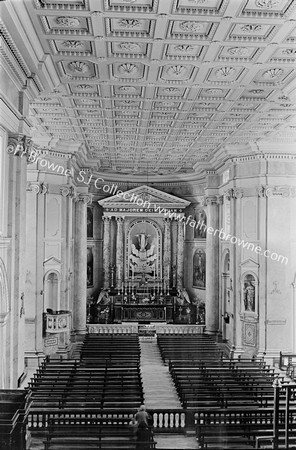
(199, 269)
(249, 293)
(201, 222)
(143, 251)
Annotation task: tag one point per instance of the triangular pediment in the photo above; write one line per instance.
(52, 261)
(249, 263)
(151, 198)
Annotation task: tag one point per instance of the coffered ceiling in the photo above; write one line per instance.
(164, 85)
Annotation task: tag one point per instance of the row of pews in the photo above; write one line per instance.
(233, 400)
(89, 400)
(14, 410)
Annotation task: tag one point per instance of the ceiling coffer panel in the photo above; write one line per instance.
(165, 84)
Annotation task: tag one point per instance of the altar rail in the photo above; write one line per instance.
(131, 329)
(163, 420)
(180, 329)
(112, 328)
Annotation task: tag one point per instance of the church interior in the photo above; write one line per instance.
(147, 224)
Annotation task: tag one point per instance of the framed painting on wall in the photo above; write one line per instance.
(199, 269)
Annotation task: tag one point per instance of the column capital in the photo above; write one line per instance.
(68, 191)
(37, 188)
(167, 219)
(234, 193)
(211, 200)
(106, 219)
(220, 199)
(119, 219)
(21, 145)
(84, 198)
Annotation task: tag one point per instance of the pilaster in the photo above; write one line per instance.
(212, 266)
(80, 264)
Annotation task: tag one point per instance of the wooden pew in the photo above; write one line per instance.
(86, 433)
(230, 427)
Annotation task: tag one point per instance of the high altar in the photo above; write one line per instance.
(143, 271)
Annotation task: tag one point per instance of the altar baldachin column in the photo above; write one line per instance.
(119, 250)
(180, 254)
(106, 251)
(167, 250)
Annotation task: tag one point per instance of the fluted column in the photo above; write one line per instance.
(180, 254)
(106, 251)
(119, 250)
(167, 250)
(212, 266)
(80, 264)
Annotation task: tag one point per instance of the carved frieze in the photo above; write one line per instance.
(78, 66)
(190, 27)
(130, 23)
(276, 191)
(68, 21)
(273, 73)
(267, 4)
(225, 72)
(251, 28)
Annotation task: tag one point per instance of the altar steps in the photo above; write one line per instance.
(159, 389)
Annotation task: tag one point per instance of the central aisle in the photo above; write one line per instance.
(159, 389)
